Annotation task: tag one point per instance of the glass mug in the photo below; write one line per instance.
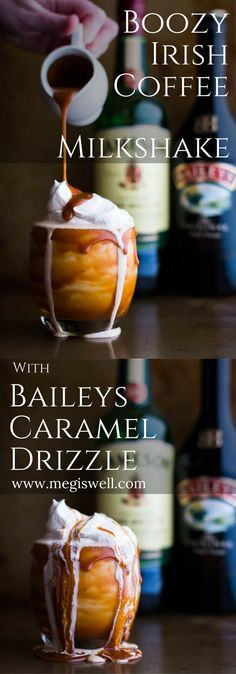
(83, 279)
(85, 588)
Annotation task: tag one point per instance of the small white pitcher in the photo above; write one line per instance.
(87, 104)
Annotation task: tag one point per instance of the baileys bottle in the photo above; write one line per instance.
(206, 500)
(204, 188)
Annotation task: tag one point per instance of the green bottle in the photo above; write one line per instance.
(148, 514)
(142, 188)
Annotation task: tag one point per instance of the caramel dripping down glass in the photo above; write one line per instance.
(94, 597)
(82, 281)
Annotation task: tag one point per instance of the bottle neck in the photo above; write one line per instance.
(132, 56)
(216, 393)
(132, 47)
(135, 376)
(215, 53)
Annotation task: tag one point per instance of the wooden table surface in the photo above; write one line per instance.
(159, 327)
(170, 644)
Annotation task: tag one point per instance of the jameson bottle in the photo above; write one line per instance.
(206, 501)
(205, 188)
(147, 511)
(142, 188)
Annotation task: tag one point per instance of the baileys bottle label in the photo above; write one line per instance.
(208, 514)
(205, 189)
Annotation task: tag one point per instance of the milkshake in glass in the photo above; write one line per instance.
(85, 586)
(83, 264)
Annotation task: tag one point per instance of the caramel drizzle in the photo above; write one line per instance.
(66, 596)
(124, 618)
(97, 555)
(78, 197)
(63, 97)
(96, 236)
(107, 531)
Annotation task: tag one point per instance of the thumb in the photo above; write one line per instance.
(61, 24)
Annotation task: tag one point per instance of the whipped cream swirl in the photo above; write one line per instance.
(97, 530)
(61, 519)
(96, 211)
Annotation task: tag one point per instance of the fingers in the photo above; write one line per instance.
(64, 26)
(54, 23)
(92, 24)
(91, 15)
(68, 26)
(103, 37)
(97, 26)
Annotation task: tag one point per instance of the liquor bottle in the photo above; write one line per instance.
(142, 188)
(206, 501)
(147, 511)
(205, 188)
